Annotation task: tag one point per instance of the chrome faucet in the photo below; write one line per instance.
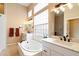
(27, 42)
(45, 36)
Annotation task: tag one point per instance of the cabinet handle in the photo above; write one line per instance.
(45, 51)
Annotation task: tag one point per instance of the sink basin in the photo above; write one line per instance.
(64, 43)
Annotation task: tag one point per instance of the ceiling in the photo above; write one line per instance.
(25, 4)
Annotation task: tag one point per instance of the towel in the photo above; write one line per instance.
(11, 32)
(17, 32)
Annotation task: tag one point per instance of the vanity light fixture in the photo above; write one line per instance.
(69, 5)
(62, 8)
(59, 7)
(56, 11)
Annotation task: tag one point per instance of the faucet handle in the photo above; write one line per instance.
(60, 38)
(68, 40)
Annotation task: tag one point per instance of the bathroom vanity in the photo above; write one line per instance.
(56, 47)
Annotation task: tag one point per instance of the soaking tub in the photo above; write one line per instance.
(31, 45)
(31, 48)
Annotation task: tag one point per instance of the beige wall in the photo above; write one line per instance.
(32, 5)
(51, 16)
(16, 15)
(74, 29)
(51, 24)
(70, 14)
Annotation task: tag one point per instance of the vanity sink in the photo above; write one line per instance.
(61, 42)
(59, 47)
(66, 43)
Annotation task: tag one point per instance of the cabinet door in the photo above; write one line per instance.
(46, 51)
(55, 53)
(63, 51)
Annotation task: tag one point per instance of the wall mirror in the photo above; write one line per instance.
(66, 21)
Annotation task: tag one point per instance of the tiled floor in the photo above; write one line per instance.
(11, 50)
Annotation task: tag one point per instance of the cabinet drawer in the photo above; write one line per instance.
(46, 51)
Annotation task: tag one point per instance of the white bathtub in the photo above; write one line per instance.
(31, 45)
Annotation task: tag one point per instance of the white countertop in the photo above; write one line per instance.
(69, 45)
(28, 53)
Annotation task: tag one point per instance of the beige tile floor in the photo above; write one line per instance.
(11, 50)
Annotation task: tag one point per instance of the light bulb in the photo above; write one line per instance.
(69, 5)
(62, 8)
(56, 11)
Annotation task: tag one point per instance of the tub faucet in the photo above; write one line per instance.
(27, 42)
(64, 38)
(45, 36)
